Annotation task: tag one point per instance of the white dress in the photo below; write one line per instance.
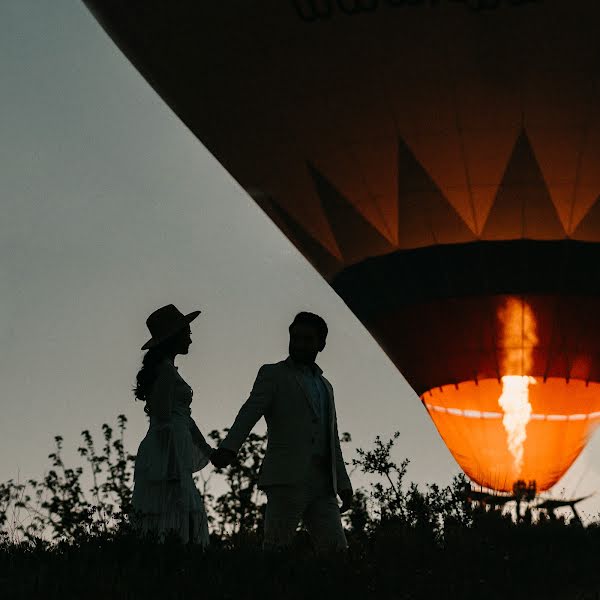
(164, 492)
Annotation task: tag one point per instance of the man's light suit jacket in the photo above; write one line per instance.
(279, 395)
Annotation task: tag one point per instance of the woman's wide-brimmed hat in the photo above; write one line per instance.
(165, 322)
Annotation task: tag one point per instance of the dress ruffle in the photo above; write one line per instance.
(168, 451)
(191, 528)
(155, 497)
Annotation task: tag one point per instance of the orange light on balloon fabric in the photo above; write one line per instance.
(469, 419)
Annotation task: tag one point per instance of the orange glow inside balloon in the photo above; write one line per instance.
(476, 429)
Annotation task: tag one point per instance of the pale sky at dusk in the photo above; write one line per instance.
(112, 208)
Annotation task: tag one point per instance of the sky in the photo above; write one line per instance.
(111, 208)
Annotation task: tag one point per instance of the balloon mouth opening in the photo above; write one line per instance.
(518, 428)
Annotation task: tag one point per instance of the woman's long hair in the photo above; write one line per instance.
(147, 374)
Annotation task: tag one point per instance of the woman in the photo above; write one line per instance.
(165, 497)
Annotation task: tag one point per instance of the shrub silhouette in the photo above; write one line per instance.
(56, 506)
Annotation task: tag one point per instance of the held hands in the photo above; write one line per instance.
(222, 457)
(346, 496)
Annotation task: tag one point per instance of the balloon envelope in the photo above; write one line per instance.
(440, 167)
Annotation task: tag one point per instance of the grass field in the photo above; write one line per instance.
(493, 558)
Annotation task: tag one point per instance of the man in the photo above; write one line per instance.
(303, 468)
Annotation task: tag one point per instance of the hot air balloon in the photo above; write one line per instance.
(438, 163)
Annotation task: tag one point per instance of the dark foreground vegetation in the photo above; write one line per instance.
(58, 542)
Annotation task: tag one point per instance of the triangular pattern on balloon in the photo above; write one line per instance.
(322, 260)
(288, 184)
(523, 207)
(588, 229)
(425, 216)
(356, 238)
(365, 176)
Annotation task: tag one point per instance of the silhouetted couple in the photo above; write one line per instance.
(303, 471)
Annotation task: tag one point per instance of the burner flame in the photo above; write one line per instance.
(518, 339)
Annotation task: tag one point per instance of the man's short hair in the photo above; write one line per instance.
(313, 320)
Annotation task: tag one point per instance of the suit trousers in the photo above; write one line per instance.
(312, 501)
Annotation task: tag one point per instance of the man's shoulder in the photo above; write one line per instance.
(328, 384)
(270, 374)
(272, 368)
